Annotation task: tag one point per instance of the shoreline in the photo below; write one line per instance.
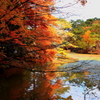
(84, 56)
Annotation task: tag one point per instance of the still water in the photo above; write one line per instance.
(73, 81)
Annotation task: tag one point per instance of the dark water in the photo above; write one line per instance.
(74, 81)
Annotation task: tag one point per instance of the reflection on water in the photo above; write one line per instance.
(82, 83)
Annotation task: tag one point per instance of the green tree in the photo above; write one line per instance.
(81, 29)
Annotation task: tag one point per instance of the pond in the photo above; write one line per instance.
(74, 81)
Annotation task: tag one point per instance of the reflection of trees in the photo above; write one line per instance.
(39, 85)
(32, 86)
(81, 79)
(43, 89)
(13, 87)
(46, 84)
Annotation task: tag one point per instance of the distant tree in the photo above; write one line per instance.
(77, 23)
(86, 32)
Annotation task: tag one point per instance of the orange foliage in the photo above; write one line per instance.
(96, 22)
(27, 30)
(86, 36)
(85, 28)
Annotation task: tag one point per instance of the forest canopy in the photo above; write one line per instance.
(87, 35)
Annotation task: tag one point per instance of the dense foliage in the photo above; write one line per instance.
(87, 34)
(27, 34)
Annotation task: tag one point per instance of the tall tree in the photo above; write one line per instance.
(27, 34)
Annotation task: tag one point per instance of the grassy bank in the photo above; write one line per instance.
(85, 56)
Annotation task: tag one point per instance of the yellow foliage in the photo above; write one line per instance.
(62, 52)
(63, 23)
(69, 34)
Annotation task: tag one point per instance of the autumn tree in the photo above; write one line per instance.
(27, 34)
(12, 32)
(63, 29)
